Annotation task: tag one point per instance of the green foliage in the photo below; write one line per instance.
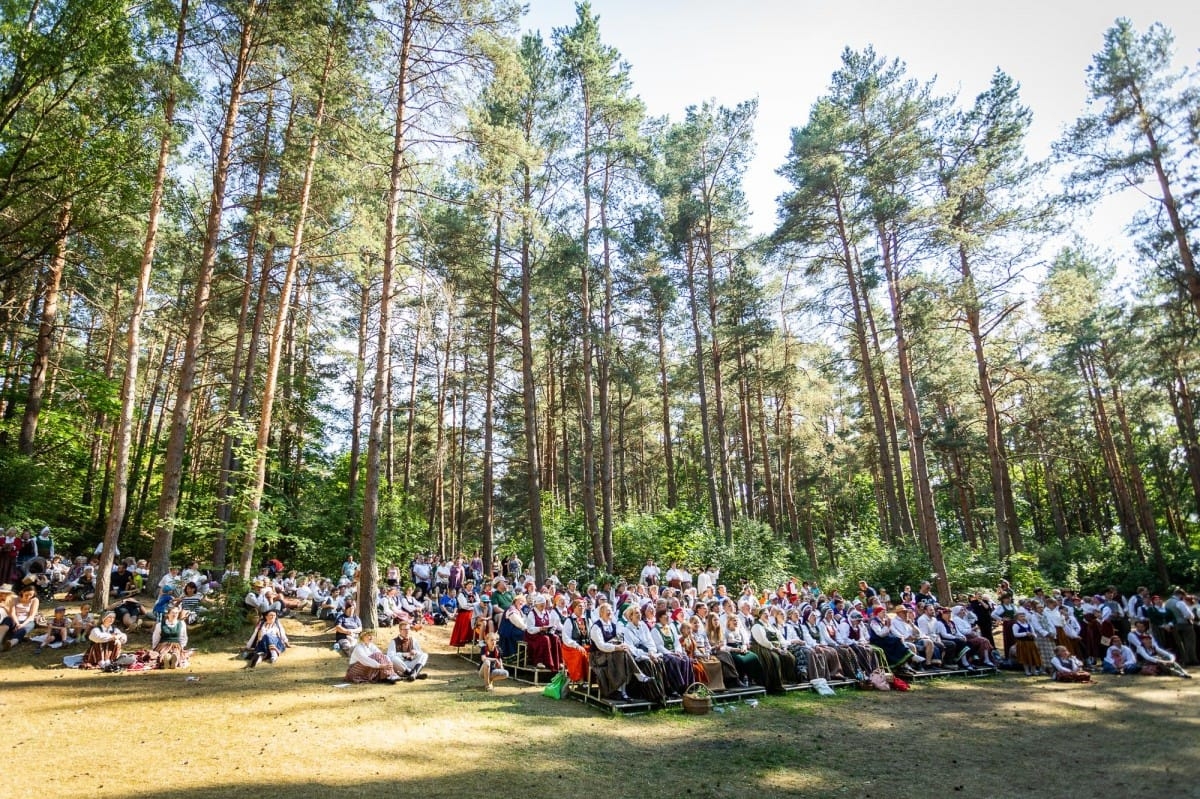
(757, 555)
(867, 557)
(228, 615)
(1091, 564)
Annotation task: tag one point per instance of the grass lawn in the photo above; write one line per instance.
(285, 730)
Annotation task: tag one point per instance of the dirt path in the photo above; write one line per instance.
(285, 730)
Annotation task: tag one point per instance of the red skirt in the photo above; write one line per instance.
(544, 649)
(463, 633)
(576, 663)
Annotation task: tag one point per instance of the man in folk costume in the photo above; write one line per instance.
(406, 655)
(545, 648)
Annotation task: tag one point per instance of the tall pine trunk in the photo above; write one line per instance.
(160, 558)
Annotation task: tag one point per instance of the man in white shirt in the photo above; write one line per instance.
(649, 574)
(422, 576)
(406, 655)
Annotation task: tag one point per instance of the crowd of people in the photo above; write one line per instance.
(651, 637)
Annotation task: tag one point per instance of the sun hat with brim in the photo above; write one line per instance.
(6, 588)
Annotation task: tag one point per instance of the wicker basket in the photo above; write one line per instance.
(697, 699)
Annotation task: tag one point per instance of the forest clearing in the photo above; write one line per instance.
(287, 729)
(288, 281)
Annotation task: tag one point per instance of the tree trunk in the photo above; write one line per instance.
(914, 426)
(604, 354)
(236, 390)
(282, 318)
(487, 531)
(997, 466)
(133, 337)
(897, 515)
(360, 373)
(368, 567)
(665, 389)
(168, 503)
(702, 391)
(720, 443)
(529, 399)
(45, 337)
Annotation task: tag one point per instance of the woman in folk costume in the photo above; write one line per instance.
(1090, 631)
(714, 631)
(638, 636)
(106, 642)
(544, 647)
(1044, 632)
(170, 638)
(779, 667)
(1025, 646)
(575, 642)
(736, 643)
(612, 664)
(690, 644)
(512, 626)
(854, 642)
(676, 663)
(368, 663)
(793, 639)
(1006, 614)
(882, 636)
(463, 633)
(823, 660)
(268, 640)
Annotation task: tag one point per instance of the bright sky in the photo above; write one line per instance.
(683, 52)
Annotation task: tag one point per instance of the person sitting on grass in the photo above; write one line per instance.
(169, 639)
(19, 615)
(368, 663)
(1151, 656)
(192, 605)
(1118, 659)
(346, 627)
(268, 641)
(106, 642)
(82, 622)
(261, 598)
(405, 654)
(130, 613)
(1067, 667)
(491, 662)
(166, 598)
(58, 631)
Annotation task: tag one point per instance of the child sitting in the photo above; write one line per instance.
(491, 667)
(58, 631)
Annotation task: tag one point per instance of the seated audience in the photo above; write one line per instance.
(106, 642)
(170, 638)
(268, 641)
(1067, 667)
(368, 663)
(406, 655)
